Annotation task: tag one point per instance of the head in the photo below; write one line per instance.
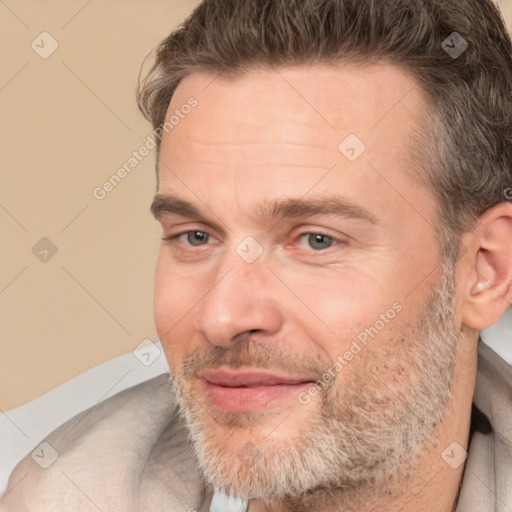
(330, 205)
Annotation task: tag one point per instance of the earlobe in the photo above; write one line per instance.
(480, 287)
(490, 287)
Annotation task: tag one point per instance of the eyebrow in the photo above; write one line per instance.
(163, 203)
(327, 205)
(271, 210)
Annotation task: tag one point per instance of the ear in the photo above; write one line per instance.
(487, 288)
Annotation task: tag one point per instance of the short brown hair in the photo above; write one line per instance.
(466, 149)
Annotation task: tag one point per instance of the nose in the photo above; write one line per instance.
(240, 301)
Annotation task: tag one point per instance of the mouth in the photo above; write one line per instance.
(250, 390)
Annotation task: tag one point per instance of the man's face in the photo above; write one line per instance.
(306, 253)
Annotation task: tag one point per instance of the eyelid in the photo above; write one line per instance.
(181, 227)
(172, 221)
(175, 236)
(303, 245)
(337, 238)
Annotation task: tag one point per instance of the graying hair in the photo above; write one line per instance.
(464, 148)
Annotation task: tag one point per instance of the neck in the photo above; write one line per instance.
(422, 495)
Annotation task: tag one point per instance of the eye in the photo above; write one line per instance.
(317, 241)
(197, 237)
(193, 238)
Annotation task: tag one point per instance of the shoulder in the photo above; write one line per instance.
(103, 457)
(488, 474)
(493, 393)
(494, 383)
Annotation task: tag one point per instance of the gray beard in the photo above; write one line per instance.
(364, 442)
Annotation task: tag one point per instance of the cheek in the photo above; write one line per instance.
(354, 318)
(163, 305)
(338, 306)
(174, 304)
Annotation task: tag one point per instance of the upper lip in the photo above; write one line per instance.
(248, 378)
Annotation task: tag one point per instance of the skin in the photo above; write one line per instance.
(274, 134)
(256, 138)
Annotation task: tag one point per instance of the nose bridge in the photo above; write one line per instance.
(238, 301)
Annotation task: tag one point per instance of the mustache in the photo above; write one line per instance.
(252, 355)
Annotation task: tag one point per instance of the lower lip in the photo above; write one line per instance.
(250, 399)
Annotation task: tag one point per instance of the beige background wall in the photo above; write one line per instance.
(68, 122)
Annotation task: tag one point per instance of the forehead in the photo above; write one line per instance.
(358, 97)
(301, 103)
(287, 127)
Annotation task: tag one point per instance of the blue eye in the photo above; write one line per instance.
(196, 238)
(319, 241)
(193, 238)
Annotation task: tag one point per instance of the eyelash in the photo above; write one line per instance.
(336, 241)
